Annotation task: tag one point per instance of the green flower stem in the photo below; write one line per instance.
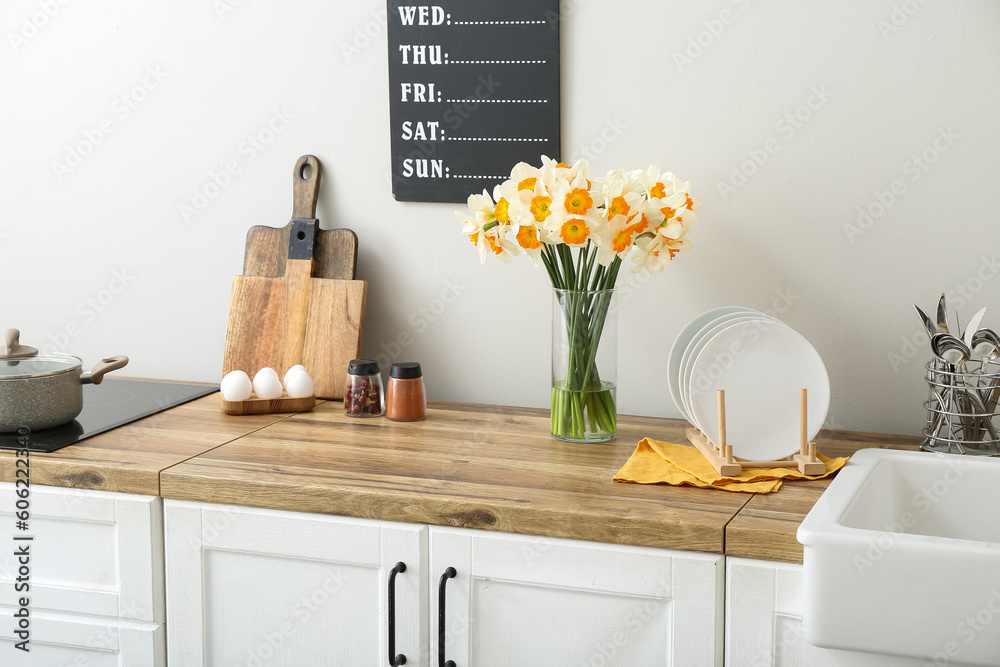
(582, 406)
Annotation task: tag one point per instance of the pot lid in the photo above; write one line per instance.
(17, 368)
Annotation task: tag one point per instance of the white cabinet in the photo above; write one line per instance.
(93, 552)
(259, 587)
(59, 640)
(95, 570)
(268, 588)
(523, 600)
(764, 622)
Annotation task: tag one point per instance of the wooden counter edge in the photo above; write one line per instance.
(454, 511)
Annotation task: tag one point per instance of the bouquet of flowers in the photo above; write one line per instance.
(546, 212)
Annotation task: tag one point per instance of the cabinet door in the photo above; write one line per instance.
(764, 622)
(56, 640)
(263, 587)
(93, 552)
(522, 600)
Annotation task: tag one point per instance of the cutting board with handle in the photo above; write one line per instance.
(297, 317)
(336, 250)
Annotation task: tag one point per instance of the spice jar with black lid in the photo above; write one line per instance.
(364, 395)
(406, 399)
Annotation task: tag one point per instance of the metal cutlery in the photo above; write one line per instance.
(974, 323)
(942, 315)
(963, 403)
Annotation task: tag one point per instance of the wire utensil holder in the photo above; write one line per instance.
(962, 411)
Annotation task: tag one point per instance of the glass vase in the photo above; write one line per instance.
(584, 365)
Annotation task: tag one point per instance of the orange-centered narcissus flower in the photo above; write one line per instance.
(540, 207)
(574, 232)
(618, 206)
(622, 240)
(501, 212)
(527, 237)
(578, 201)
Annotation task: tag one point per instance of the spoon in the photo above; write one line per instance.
(982, 338)
(986, 337)
(951, 349)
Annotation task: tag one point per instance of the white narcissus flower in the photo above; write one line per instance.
(660, 186)
(482, 207)
(483, 214)
(487, 233)
(502, 248)
(532, 212)
(678, 213)
(518, 189)
(653, 253)
(614, 238)
(573, 214)
(553, 171)
(527, 239)
(622, 216)
(538, 206)
(621, 198)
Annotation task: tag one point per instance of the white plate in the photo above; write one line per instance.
(699, 342)
(771, 365)
(680, 345)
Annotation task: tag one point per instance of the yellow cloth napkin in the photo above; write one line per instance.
(655, 462)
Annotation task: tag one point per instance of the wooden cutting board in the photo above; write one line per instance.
(297, 318)
(336, 251)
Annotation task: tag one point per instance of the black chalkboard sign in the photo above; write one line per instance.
(473, 90)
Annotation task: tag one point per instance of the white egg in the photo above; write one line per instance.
(267, 370)
(296, 367)
(266, 383)
(298, 383)
(236, 386)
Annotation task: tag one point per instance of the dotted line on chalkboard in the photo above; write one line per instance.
(502, 101)
(491, 139)
(496, 62)
(492, 178)
(498, 22)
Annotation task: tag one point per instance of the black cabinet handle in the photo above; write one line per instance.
(394, 659)
(448, 574)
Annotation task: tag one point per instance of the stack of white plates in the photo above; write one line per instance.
(762, 364)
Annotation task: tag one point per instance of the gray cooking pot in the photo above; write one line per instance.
(40, 391)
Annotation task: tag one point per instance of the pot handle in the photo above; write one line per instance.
(12, 346)
(96, 373)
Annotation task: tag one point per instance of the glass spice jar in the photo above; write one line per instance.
(406, 400)
(364, 395)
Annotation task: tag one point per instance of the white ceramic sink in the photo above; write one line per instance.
(902, 557)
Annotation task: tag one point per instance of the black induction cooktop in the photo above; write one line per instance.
(111, 404)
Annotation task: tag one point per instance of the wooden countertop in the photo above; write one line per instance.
(474, 466)
(129, 459)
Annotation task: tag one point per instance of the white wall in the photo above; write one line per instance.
(779, 237)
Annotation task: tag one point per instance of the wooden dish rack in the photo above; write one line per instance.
(721, 455)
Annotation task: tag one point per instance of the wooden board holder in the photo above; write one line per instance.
(721, 455)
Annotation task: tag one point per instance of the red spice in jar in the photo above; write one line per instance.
(363, 392)
(406, 400)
